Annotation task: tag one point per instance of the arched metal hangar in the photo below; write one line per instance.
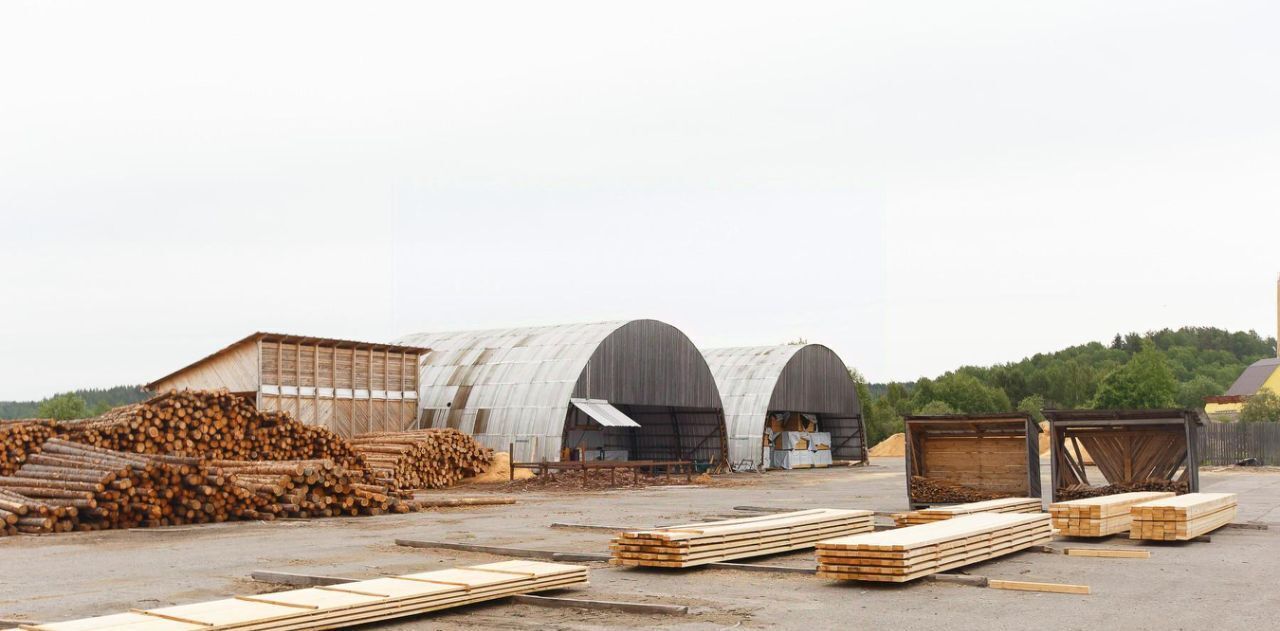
(635, 390)
(763, 382)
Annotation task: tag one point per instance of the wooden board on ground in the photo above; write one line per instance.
(909, 553)
(689, 545)
(1099, 516)
(939, 513)
(1182, 518)
(345, 604)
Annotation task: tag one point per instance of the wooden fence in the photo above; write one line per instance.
(1229, 443)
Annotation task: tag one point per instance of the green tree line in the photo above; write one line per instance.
(1165, 368)
(74, 404)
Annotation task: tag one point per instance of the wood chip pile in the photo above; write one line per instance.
(422, 459)
(1099, 516)
(19, 438)
(939, 513)
(930, 490)
(1183, 517)
(215, 425)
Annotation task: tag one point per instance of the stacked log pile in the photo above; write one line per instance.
(70, 486)
(931, 490)
(19, 438)
(421, 459)
(209, 424)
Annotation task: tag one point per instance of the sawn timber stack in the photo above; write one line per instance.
(710, 542)
(906, 554)
(1183, 517)
(345, 604)
(939, 513)
(1099, 516)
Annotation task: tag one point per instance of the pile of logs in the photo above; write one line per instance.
(421, 459)
(310, 488)
(929, 490)
(70, 486)
(209, 424)
(19, 438)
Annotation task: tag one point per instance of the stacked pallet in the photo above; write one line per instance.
(1099, 516)
(346, 604)
(939, 513)
(1183, 517)
(906, 554)
(422, 459)
(214, 424)
(20, 438)
(711, 542)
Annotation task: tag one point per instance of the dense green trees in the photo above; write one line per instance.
(1263, 407)
(63, 407)
(1166, 368)
(95, 401)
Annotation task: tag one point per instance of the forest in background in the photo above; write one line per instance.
(1165, 368)
(74, 404)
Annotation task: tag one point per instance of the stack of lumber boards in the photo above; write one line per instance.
(936, 490)
(345, 604)
(1099, 516)
(939, 513)
(1183, 517)
(906, 554)
(422, 459)
(20, 438)
(711, 542)
(212, 424)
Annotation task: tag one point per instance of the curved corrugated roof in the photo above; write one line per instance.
(514, 385)
(756, 379)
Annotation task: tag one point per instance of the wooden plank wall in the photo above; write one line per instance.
(996, 463)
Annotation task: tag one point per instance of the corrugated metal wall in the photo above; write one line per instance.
(512, 386)
(810, 378)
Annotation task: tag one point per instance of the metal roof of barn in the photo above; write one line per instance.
(1251, 380)
(285, 338)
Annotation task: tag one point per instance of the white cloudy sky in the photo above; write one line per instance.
(917, 184)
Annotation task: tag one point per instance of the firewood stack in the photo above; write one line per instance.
(19, 438)
(211, 424)
(422, 459)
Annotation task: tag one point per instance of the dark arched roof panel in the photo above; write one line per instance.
(815, 380)
(647, 362)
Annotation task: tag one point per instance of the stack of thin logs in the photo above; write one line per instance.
(213, 424)
(70, 486)
(19, 438)
(311, 488)
(929, 490)
(422, 459)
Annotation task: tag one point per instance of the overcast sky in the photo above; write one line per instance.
(918, 185)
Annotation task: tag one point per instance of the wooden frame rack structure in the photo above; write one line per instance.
(997, 453)
(1129, 447)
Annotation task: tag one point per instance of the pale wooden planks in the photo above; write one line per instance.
(689, 545)
(1183, 517)
(345, 604)
(1099, 516)
(913, 552)
(1025, 586)
(939, 513)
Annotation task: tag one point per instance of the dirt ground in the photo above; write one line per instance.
(1229, 583)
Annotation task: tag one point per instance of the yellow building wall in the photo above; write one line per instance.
(1272, 383)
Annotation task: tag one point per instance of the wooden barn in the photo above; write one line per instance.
(348, 387)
